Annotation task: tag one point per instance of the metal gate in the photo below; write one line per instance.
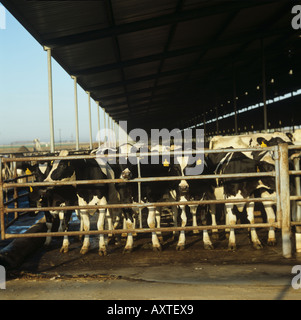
(282, 199)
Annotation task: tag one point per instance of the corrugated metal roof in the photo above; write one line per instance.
(165, 63)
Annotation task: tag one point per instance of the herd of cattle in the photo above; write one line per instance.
(180, 190)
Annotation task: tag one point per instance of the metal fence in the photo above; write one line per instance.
(282, 199)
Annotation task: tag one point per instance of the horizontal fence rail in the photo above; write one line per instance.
(275, 200)
(150, 179)
(142, 230)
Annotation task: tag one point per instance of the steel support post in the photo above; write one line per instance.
(285, 201)
(139, 192)
(98, 122)
(50, 98)
(105, 125)
(90, 121)
(265, 117)
(217, 126)
(298, 205)
(235, 103)
(76, 113)
(2, 222)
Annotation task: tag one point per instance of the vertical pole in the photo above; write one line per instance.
(216, 113)
(98, 122)
(117, 134)
(285, 201)
(2, 222)
(298, 205)
(234, 102)
(105, 123)
(90, 121)
(50, 98)
(76, 113)
(139, 192)
(15, 190)
(265, 117)
(277, 185)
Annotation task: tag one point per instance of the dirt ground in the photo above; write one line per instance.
(192, 274)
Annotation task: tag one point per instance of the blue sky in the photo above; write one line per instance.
(24, 92)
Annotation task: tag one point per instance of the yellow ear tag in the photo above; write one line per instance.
(30, 189)
(263, 145)
(198, 162)
(258, 170)
(28, 171)
(166, 163)
(68, 163)
(51, 162)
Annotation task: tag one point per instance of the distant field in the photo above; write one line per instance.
(19, 148)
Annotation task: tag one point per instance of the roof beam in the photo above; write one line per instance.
(150, 23)
(251, 36)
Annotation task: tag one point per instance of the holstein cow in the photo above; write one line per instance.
(121, 168)
(238, 188)
(89, 194)
(199, 190)
(245, 187)
(59, 197)
(52, 197)
(153, 191)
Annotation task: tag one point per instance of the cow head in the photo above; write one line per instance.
(62, 170)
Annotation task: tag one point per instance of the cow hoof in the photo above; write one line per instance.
(272, 242)
(208, 246)
(232, 247)
(157, 249)
(180, 247)
(257, 246)
(84, 250)
(215, 236)
(64, 250)
(127, 250)
(102, 252)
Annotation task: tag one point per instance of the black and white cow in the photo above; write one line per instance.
(199, 189)
(59, 197)
(51, 197)
(154, 191)
(244, 188)
(88, 194)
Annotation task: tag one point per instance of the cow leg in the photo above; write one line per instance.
(207, 242)
(63, 227)
(130, 224)
(86, 227)
(268, 206)
(129, 241)
(232, 221)
(174, 210)
(102, 251)
(193, 210)
(79, 217)
(49, 223)
(64, 220)
(182, 240)
(158, 223)
(151, 221)
(213, 221)
(124, 227)
(250, 215)
(109, 221)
